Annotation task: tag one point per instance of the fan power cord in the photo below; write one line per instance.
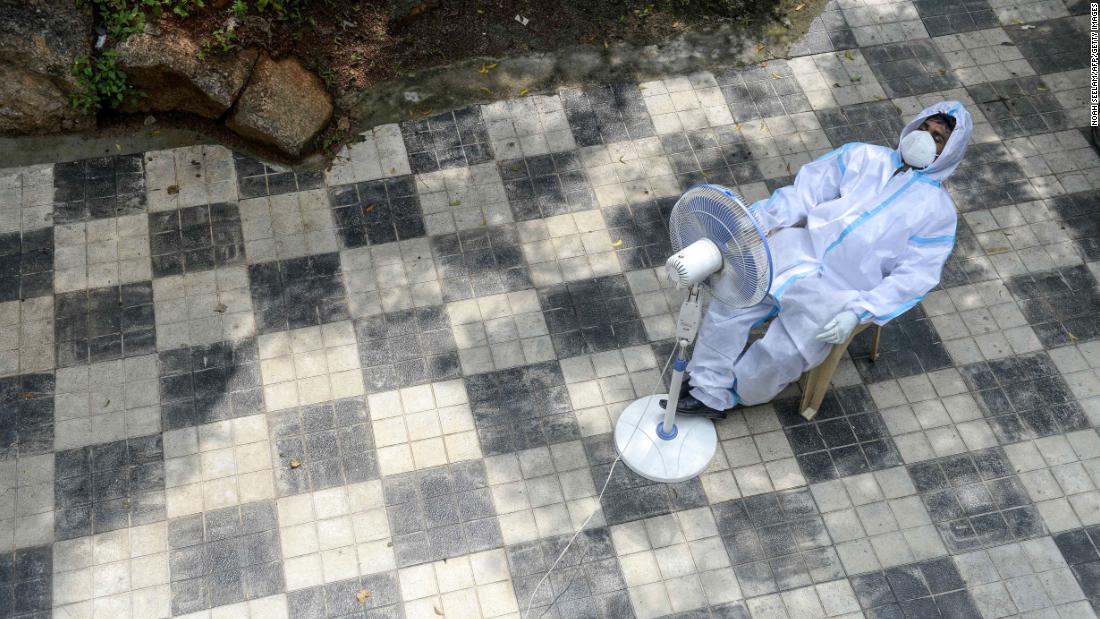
(599, 498)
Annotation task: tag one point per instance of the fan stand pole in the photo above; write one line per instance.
(648, 437)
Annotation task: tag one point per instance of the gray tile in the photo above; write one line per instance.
(224, 556)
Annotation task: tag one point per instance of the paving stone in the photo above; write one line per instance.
(258, 179)
(447, 140)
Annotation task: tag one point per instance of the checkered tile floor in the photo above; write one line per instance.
(388, 389)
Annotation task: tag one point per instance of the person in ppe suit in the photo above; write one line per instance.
(861, 236)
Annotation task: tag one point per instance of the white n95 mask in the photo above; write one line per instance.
(918, 149)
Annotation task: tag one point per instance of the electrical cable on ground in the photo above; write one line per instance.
(599, 499)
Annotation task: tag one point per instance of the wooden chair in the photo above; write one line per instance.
(816, 382)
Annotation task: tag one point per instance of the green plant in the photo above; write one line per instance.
(222, 40)
(100, 82)
(240, 8)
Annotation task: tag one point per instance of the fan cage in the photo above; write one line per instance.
(721, 215)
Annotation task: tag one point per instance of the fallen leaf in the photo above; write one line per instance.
(776, 75)
(173, 189)
(605, 43)
(1041, 88)
(455, 203)
(485, 68)
(618, 243)
(848, 55)
(799, 7)
(343, 124)
(370, 207)
(26, 395)
(437, 611)
(1072, 337)
(154, 132)
(220, 308)
(523, 91)
(486, 90)
(856, 78)
(107, 403)
(362, 595)
(1027, 27)
(295, 463)
(118, 147)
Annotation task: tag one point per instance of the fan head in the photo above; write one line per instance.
(721, 216)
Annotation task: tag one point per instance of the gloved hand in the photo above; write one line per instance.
(839, 328)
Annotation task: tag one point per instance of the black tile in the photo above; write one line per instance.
(298, 292)
(1060, 305)
(480, 262)
(546, 185)
(926, 589)
(98, 188)
(448, 140)
(332, 443)
(941, 17)
(966, 499)
(196, 238)
(1077, 212)
(910, 68)
(1024, 397)
(440, 513)
(26, 415)
(908, 345)
(378, 211)
(720, 155)
(874, 122)
(339, 599)
(776, 541)
(828, 32)
(847, 437)
(1081, 550)
(258, 179)
(207, 383)
(108, 486)
(630, 496)
(406, 347)
(606, 114)
(102, 324)
(224, 556)
(26, 264)
(1019, 107)
(762, 92)
(26, 582)
(520, 408)
(591, 316)
(586, 581)
(989, 177)
(1052, 46)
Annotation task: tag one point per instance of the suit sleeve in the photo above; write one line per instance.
(917, 272)
(816, 182)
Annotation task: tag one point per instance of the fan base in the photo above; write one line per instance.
(680, 458)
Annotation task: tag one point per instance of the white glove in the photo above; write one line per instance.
(839, 328)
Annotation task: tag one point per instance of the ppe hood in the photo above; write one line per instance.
(955, 148)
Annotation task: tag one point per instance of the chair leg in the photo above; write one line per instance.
(874, 342)
(818, 382)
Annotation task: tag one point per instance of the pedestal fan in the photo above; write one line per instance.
(719, 246)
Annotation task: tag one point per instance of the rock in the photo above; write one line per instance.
(39, 42)
(167, 69)
(283, 105)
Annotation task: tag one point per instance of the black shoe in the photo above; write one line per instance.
(685, 387)
(691, 407)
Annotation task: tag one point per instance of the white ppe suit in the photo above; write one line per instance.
(873, 242)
